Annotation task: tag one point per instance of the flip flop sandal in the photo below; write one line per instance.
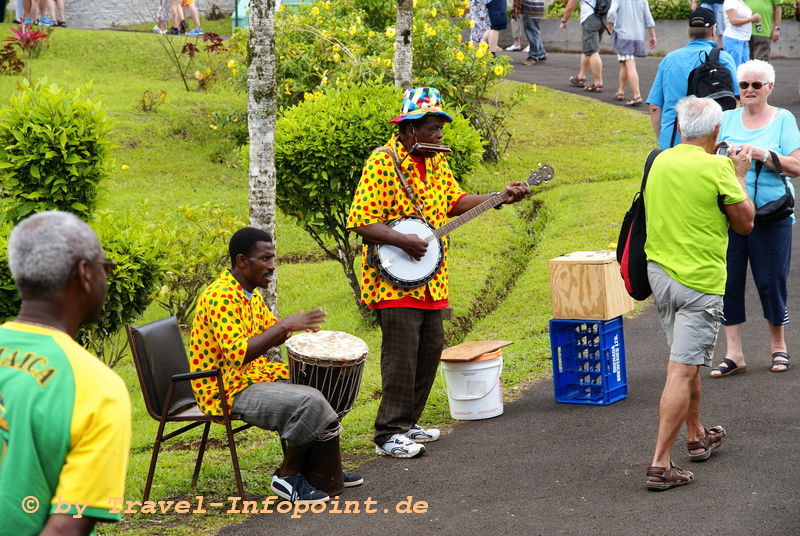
(711, 441)
(575, 81)
(661, 478)
(726, 368)
(594, 88)
(780, 362)
(619, 96)
(636, 101)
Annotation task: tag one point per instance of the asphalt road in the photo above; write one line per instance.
(544, 468)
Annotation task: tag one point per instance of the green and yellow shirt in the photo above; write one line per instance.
(65, 429)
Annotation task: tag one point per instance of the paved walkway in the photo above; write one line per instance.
(545, 469)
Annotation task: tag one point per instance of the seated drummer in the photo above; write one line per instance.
(232, 330)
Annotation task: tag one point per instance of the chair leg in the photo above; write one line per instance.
(153, 460)
(199, 461)
(234, 459)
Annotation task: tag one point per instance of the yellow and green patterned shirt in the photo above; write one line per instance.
(225, 318)
(380, 198)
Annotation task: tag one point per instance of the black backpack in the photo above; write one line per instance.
(630, 244)
(601, 7)
(710, 79)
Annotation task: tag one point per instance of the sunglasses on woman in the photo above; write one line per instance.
(756, 85)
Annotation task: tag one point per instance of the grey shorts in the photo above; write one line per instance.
(297, 412)
(591, 32)
(690, 318)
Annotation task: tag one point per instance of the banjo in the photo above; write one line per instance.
(398, 268)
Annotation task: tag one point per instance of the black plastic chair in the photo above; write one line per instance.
(163, 369)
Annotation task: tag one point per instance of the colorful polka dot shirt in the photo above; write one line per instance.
(224, 320)
(380, 197)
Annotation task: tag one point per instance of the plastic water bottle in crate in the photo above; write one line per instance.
(588, 361)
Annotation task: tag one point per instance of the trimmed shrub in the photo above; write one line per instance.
(54, 148)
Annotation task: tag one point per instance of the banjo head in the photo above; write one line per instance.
(395, 265)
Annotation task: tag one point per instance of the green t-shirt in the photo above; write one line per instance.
(687, 234)
(65, 430)
(765, 8)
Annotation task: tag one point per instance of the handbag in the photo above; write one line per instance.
(778, 209)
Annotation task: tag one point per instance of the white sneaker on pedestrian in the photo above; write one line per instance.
(526, 49)
(399, 446)
(513, 48)
(420, 435)
(158, 30)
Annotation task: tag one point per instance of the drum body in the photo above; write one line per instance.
(331, 362)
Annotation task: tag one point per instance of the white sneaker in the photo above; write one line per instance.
(158, 30)
(421, 435)
(399, 446)
(513, 48)
(527, 49)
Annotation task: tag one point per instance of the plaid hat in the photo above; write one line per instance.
(420, 101)
(702, 17)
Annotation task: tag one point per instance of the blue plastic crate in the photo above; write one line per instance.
(588, 361)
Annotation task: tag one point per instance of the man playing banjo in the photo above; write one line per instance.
(409, 308)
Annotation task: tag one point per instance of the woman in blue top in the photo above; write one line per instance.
(763, 128)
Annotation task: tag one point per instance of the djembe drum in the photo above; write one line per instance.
(332, 362)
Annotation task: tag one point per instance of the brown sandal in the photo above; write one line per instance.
(575, 81)
(661, 478)
(711, 441)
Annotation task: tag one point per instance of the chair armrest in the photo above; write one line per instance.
(195, 375)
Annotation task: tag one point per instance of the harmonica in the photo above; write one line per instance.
(431, 148)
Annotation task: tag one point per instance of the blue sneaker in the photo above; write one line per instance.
(295, 488)
(352, 480)
(46, 22)
(195, 33)
(26, 22)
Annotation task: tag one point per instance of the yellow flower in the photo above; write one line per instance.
(197, 75)
(431, 32)
(471, 45)
(533, 88)
(336, 48)
(325, 34)
(324, 80)
(460, 12)
(353, 30)
(231, 63)
(433, 13)
(234, 72)
(358, 20)
(125, 167)
(390, 32)
(470, 23)
(212, 127)
(414, 4)
(498, 70)
(336, 57)
(483, 46)
(315, 11)
(466, 4)
(371, 33)
(460, 56)
(479, 53)
(282, 8)
(308, 96)
(387, 63)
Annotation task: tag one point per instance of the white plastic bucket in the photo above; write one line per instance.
(475, 388)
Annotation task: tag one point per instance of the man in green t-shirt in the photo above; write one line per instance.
(765, 31)
(691, 197)
(65, 417)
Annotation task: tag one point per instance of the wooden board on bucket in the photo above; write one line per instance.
(467, 351)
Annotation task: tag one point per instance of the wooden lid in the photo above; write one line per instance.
(472, 350)
(588, 257)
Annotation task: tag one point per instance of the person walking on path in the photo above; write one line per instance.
(738, 30)
(686, 243)
(715, 7)
(672, 77)
(766, 30)
(532, 12)
(627, 20)
(767, 131)
(592, 29)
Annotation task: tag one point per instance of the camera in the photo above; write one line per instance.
(726, 149)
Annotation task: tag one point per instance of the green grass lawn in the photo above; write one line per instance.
(500, 288)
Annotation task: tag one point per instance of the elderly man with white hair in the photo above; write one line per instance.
(65, 417)
(691, 197)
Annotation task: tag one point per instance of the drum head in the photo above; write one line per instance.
(327, 348)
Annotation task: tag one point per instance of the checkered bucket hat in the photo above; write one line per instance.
(420, 101)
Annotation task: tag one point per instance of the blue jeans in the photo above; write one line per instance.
(719, 15)
(768, 248)
(534, 35)
(740, 50)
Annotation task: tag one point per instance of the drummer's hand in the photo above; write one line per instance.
(414, 246)
(305, 321)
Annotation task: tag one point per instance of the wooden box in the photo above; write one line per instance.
(587, 285)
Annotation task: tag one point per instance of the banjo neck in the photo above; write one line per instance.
(544, 173)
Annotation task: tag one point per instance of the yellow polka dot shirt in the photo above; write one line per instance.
(224, 320)
(380, 198)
